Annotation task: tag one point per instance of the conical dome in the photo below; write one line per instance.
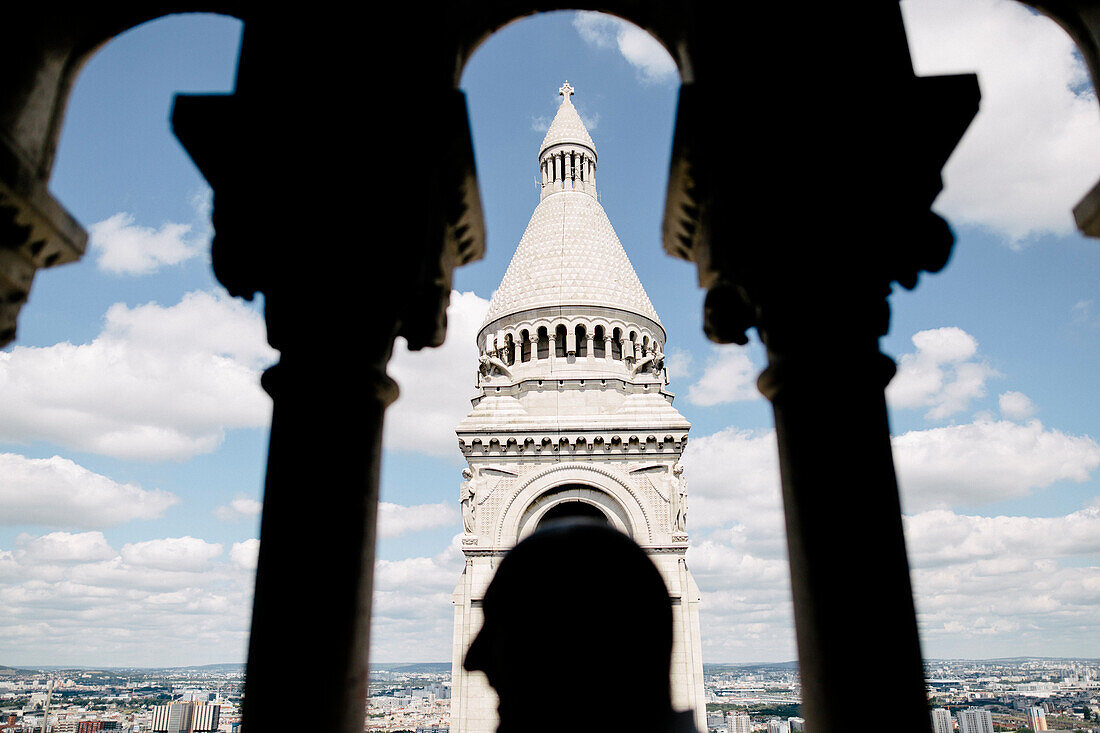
(569, 255)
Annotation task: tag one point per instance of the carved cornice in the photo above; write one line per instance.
(634, 384)
(535, 443)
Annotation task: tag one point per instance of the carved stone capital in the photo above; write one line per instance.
(35, 232)
(799, 227)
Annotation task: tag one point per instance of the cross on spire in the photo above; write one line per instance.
(566, 91)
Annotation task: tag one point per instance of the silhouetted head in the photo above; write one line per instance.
(577, 633)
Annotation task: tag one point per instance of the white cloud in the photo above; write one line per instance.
(649, 58)
(157, 383)
(124, 248)
(395, 520)
(55, 492)
(1082, 311)
(1034, 148)
(992, 586)
(187, 554)
(436, 384)
(72, 599)
(413, 618)
(1016, 405)
(678, 363)
(738, 553)
(747, 613)
(244, 554)
(239, 507)
(985, 585)
(729, 376)
(63, 548)
(942, 374)
(733, 481)
(987, 460)
(941, 537)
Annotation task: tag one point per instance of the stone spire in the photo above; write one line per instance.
(570, 255)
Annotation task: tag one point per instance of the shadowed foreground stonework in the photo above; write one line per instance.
(800, 224)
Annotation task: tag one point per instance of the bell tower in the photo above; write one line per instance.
(572, 416)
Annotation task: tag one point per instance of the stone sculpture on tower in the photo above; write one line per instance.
(572, 416)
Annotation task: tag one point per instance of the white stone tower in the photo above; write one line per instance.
(572, 416)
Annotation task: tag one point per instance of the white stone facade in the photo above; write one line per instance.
(572, 414)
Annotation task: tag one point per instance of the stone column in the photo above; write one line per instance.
(840, 497)
(590, 352)
(303, 425)
(312, 602)
(607, 347)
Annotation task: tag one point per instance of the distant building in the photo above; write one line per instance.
(941, 721)
(738, 723)
(798, 725)
(975, 720)
(91, 726)
(186, 717)
(1036, 719)
(775, 725)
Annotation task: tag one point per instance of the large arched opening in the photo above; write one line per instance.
(572, 510)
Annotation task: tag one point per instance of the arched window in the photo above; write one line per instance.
(544, 344)
(525, 345)
(582, 341)
(598, 349)
(617, 345)
(559, 341)
(509, 350)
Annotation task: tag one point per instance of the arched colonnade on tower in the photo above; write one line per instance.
(858, 114)
(534, 339)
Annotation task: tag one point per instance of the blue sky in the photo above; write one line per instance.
(159, 429)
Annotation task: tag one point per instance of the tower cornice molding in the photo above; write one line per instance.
(627, 442)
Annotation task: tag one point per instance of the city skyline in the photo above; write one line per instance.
(992, 409)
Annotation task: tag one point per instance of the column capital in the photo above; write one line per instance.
(804, 237)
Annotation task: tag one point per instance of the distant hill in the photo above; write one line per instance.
(414, 667)
(215, 667)
(724, 666)
(1006, 660)
(83, 668)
